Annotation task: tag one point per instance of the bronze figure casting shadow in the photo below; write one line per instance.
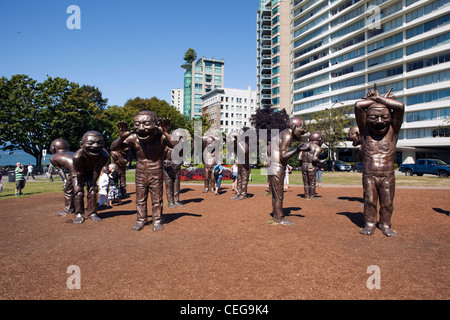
(379, 119)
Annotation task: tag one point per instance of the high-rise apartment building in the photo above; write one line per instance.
(200, 77)
(273, 54)
(176, 99)
(228, 109)
(341, 48)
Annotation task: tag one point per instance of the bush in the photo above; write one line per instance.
(198, 174)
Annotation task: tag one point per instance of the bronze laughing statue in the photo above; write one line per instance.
(280, 154)
(62, 160)
(172, 168)
(379, 119)
(243, 151)
(88, 162)
(209, 145)
(310, 160)
(149, 139)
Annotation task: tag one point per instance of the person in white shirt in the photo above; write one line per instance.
(30, 171)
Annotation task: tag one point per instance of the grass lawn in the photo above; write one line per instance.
(39, 186)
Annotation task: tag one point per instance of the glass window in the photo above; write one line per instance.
(428, 79)
(275, 40)
(397, 54)
(311, 93)
(311, 70)
(310, 36)
(429, 97)
(198, 77)
(349, 69)
(275, 49)
(276, 90)
(348, 83)
(385, 73)
(427, 26)
(353, 27)
(348, 56)
(310, 81)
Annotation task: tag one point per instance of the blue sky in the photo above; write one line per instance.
(131, 48)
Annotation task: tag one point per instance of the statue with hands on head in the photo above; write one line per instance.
(149, 138)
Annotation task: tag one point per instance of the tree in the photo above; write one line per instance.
(190, 55)
(332, 124)
(162, 110)
(33, 114)
(268, 119)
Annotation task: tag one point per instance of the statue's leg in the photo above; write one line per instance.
(141, 200)
(79, 205)
(245, 178)
(238, 184)
(306, 184)
(212, 181)
(92, 205)
(69, 198)
(123, 182)
(277, 190)
(206, 181)
(156, 190)
(370, 204)
(176, 186)
(168, 181)
(387, 192)
(312, 183)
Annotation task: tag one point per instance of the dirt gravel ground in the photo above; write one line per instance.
(215, 248)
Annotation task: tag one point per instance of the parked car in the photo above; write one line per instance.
(429, 166)
(339, 165)
(4, 170)
(357, 167)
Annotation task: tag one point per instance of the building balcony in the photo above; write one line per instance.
(266, 59)
(265, 39)
(266, 11)
(265, 49)
(265, 89)
(265, 30)
(266, 21)
(266, 79)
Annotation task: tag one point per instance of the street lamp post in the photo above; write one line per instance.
(92, 120)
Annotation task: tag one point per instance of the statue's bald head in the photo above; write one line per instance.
(59, 145)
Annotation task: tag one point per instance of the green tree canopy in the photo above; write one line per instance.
(160, 107)
(332, 123)
(33, 114)
(190, 55)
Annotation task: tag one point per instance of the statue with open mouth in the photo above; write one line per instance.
(379, 119)
(149, 138)
(88, 162)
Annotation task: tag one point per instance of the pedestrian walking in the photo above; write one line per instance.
(30, 171)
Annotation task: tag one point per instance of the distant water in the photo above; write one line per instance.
(19, 156)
